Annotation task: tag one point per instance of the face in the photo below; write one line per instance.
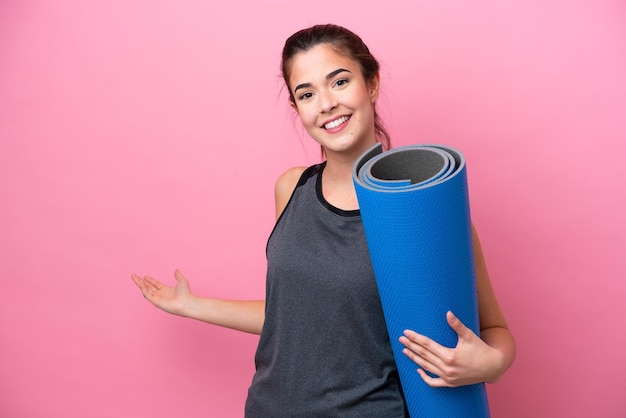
(334, 101)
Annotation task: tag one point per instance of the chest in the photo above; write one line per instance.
(315, 251)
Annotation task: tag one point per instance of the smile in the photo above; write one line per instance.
(336, 122)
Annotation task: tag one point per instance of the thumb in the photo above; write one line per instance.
(458, 326)
(178, 275)
(180, 279)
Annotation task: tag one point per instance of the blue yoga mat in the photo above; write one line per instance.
(415, 209)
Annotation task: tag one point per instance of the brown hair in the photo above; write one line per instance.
(345, 43)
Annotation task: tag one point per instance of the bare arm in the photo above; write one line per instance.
(241, 315)
(494, 330)
(474, 359)
(285, 186)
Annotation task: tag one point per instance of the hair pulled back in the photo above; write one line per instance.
(345, 43)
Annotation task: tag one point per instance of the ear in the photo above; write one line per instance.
(293, 104)
(374, 87)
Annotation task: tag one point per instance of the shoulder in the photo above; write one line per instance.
(285, 186)
(289, 179)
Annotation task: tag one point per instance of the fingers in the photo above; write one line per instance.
(418, 355)
(423, 346)
(431, 356)
(435, 382)
(147, 285)
(149, 282)
(424, 351)
(136, 279)
(152, 284)
(140, 282)
(451, 367)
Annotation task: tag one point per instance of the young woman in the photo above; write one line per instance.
(324, 348)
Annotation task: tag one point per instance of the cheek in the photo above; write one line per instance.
(363, 99)
(307, 117)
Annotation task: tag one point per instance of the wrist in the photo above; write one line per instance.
(190, 306)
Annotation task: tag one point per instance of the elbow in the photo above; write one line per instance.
(502, 342)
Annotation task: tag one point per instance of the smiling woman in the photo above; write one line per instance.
(324, 348)
(345, 44)
(141, 139)
(334, 100)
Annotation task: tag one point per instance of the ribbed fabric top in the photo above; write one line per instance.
(324, 349)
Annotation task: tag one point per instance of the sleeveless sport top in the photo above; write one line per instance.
(324, 349)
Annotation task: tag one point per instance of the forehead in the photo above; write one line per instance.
(313, 65)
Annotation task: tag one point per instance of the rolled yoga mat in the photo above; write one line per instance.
(415, 210)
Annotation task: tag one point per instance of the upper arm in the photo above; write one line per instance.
(284, 188)
(489, 310)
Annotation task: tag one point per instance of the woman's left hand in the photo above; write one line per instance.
(471, 361)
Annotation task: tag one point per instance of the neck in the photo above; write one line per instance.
(337, 183)
(341, 163)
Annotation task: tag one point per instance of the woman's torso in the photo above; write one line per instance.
(324, 349)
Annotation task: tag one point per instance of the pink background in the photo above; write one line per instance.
(146, 136)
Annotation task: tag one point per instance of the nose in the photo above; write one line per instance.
(327, 102)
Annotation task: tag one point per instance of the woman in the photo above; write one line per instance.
(324, 348)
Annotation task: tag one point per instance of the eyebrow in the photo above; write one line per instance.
(328, 77)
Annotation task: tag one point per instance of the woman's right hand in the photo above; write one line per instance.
(172, 299)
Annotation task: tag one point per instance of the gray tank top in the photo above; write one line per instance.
(324, 349)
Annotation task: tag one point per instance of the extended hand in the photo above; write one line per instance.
(172, 299)
(471, 361)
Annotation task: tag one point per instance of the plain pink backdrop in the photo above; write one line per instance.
(147, 136)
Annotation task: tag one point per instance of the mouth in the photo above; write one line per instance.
(334, 123)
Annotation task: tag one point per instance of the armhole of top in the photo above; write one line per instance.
(306, 175)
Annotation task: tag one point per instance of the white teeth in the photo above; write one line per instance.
(336, 122)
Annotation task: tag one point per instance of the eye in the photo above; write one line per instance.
(341, 82)
(305, 96)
